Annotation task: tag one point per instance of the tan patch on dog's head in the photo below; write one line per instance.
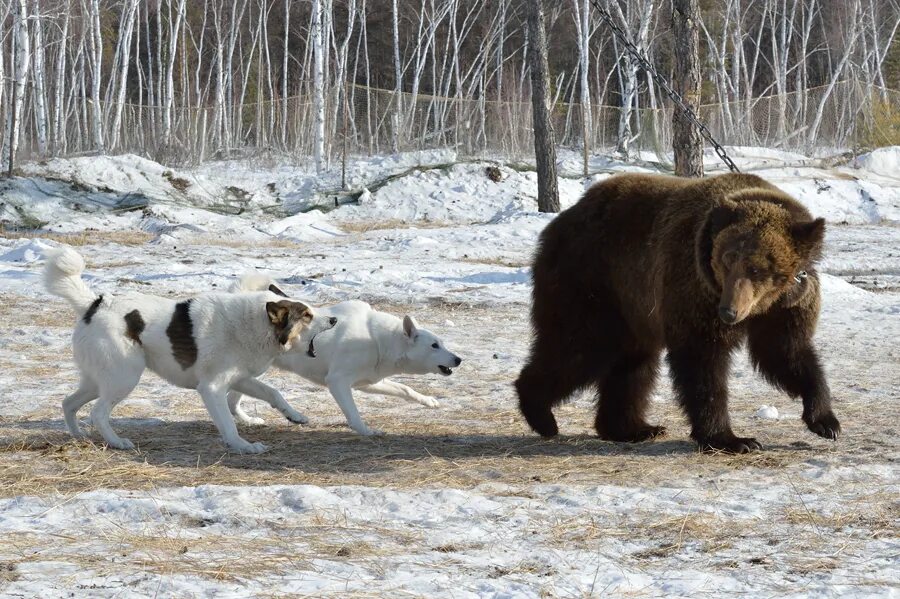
(288, 319)
(758, 254)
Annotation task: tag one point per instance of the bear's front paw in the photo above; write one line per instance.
(730, 444)
(825, 425)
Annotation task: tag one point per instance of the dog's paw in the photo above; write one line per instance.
(251, 421)
(825, 425)
(248, 448)
(125, 444)
(369, 432)
(296, 417)
(428, 401)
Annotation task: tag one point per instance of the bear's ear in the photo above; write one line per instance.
(808, 237)
(722, 215)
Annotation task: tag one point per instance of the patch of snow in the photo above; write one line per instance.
(882, 161)
(767, 413)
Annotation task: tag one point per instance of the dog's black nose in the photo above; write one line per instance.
(727, 315)
(458, 360)
(332, 321)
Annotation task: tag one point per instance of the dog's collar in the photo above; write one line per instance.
(798, 278)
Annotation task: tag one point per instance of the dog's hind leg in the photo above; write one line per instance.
(86, 392)
(112, 391)
(254, 388)
(394, 389)
(237, 410)
(342, 391)
(216, 401)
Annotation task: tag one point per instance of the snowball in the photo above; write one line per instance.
(767, 412)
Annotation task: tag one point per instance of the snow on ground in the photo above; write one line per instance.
(461, 500)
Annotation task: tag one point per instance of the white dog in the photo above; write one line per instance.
(364, 348)
(213, 343)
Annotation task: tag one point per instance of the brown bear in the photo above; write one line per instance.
(644, 263)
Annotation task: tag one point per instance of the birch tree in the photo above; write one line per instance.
(96, 43)
(123, 53)
(21, 62)
(582, 16)
(39, 90)
(318, 46)
(169, 95)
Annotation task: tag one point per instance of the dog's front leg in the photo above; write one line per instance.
(342, 391)
(216, 401)
(255, 388)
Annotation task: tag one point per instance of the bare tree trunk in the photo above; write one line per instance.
(544, 142)
(169, 96)
(318, 87)
(398, 82)
(125, 49)
(284, 74)
(21, 60)
(583, 26)
(38, 93)
(58, 106)
(96, 43)
(686, 141)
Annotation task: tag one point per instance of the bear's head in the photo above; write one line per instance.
(754, 253)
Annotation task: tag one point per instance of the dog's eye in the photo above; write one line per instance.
(435, 345)
(752, 271)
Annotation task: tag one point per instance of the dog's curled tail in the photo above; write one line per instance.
(252, 281)
(62, 277)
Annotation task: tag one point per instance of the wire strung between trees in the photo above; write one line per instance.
(680, 104)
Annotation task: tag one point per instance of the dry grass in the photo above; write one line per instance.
(478, 435)
(87, 237)
(238, 243)
(366, 226)
(508, 263)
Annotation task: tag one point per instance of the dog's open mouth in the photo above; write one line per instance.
(444, 370)
(311, 349)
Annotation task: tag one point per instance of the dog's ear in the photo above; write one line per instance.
(409, 327)
(278, 313)
(302, 312)
(274, 289)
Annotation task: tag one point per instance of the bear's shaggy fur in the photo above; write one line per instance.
(644, 263)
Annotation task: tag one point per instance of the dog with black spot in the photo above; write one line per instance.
(214, 343)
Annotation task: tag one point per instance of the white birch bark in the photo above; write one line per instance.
(96, 43)
(39, 91)
(169, 93)
(21, 63)
(57, 134)
(318, 87)
(398, 80)
(124, 61)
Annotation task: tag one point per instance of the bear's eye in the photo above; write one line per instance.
(435, 345)
(752, 271)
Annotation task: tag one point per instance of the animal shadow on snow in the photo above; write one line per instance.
(332, 451)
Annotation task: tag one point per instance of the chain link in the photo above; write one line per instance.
(645, 64)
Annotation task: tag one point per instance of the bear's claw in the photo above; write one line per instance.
(826, 426)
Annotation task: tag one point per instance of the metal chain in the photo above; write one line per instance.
(661, 82)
